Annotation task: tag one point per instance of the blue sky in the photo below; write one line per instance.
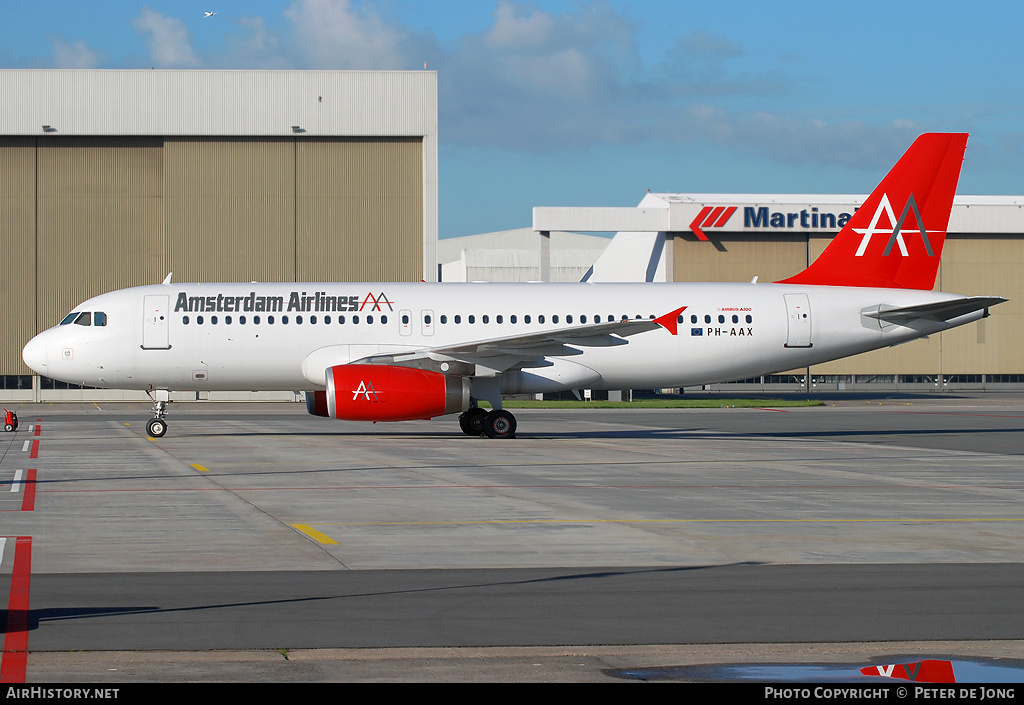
(592, 103)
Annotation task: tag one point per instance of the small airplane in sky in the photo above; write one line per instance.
(209, 14)
(403, 351)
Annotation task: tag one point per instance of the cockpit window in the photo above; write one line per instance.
(86, 318)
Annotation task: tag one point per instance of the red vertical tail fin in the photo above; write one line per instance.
(895, 238)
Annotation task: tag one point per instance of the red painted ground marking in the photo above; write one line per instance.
(15, 654)
(28, 499)
(35, 450)
(39, 430)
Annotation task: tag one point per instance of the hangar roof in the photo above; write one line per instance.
(222, 103)
(744, 212)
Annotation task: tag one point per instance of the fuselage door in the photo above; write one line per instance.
(798, 310)
(156, 322)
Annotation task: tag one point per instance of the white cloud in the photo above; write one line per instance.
(73, 56)
(170, 44)
(332, 34)
(540, 81)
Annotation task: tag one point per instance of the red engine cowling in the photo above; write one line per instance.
(387, 393)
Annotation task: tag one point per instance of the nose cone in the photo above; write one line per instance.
(37, 355)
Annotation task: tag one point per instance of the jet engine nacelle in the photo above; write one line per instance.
(388, 393)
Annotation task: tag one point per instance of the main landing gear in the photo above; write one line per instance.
(157, 426)
(498, 423)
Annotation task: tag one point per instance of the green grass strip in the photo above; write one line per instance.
(703, 403)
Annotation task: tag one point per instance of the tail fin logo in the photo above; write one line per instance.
(896, 229)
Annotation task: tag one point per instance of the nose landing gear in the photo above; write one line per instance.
(156, 427)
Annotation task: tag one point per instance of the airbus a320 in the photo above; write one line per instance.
(403, 351)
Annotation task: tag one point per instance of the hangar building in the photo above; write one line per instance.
(114, 178)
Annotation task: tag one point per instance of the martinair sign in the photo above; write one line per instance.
(774, 218)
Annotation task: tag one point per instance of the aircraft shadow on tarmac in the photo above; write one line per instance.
(38, 617)
(640, 434)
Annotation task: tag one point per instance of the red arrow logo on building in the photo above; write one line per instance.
(711, 217)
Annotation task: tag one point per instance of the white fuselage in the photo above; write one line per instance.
(232, 336)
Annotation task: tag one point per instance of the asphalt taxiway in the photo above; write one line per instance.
(256, 542)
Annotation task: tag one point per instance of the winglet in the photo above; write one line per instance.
(670, 321)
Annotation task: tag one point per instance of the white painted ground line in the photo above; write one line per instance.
(16, 485)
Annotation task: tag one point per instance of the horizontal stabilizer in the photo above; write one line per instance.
(941, 311)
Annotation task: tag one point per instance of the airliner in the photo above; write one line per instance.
(404, 351)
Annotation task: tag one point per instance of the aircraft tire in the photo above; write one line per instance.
(156, 428)
(500, 424)
(472, 421)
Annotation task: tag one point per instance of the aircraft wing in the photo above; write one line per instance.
(941, 311)
(517, 351)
